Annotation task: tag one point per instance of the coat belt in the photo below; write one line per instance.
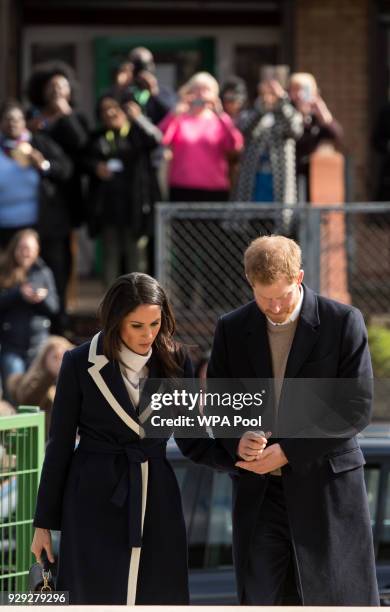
(129, 486)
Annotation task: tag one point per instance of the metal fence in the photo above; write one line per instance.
(199, 255)
(22, 439)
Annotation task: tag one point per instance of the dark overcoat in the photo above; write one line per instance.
(323, 482)
(115, 498)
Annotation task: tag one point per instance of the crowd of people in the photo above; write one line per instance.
(203, 143)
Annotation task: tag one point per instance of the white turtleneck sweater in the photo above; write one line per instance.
(133, 368)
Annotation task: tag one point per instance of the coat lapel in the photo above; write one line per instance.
(306, 335)
(107, 377)
(257, 343)
(153, 384)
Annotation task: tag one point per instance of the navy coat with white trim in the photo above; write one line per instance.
(323, 482)
(115, 498)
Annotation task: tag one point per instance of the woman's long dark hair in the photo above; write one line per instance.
(11, 273)
(124, 296)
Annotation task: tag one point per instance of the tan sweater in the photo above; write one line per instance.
(280, 340)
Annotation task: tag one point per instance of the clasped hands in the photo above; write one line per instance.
(256, 457)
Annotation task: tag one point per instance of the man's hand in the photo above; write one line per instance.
(251, 445)
(149, 81)
(270, 459)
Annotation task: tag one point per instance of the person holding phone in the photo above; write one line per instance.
(28, 299)
(123, 185)
(319, 125)
(200, 137)
(271, 129)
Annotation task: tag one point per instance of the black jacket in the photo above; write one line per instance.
(129, 196)
(24, 326)
(323, 482)
(71, 133)
(54, 215)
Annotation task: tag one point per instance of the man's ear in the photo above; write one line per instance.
(300, 276)
(249, 282)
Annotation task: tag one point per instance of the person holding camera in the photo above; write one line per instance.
(28, 299)
(123, 186)
(200, 136)
(135, 79)
(319, 125)
(271, 128)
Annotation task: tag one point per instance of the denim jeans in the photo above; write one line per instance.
(11, 363)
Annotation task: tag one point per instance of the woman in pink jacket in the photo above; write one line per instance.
(202, 138)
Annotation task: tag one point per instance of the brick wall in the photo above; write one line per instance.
(332, 42)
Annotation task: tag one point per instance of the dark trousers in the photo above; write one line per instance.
(186, 194)
(270, 577)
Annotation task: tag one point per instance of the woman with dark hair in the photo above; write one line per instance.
(32, 170)
(234, 95)
(115, 498)
(123, 186)
(28, 298)
(51, 90)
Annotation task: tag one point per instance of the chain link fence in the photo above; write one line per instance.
(199, 257)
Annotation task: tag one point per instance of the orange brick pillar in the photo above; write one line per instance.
(326, 188)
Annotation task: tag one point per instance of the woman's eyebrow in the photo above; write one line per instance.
(143, 322)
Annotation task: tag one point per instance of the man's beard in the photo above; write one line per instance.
(281, 317)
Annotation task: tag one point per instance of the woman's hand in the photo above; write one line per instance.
(216, 105)
(103, 171)
(181, 107)
(34, 296)
(36, 158)
(42, 540)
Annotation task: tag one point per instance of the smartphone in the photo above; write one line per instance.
(198, 102)
(306, 93)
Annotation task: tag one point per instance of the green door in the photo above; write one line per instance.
(177, 58)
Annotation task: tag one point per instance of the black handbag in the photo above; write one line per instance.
(41, 577)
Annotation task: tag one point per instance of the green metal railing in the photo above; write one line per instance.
(22, 443)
